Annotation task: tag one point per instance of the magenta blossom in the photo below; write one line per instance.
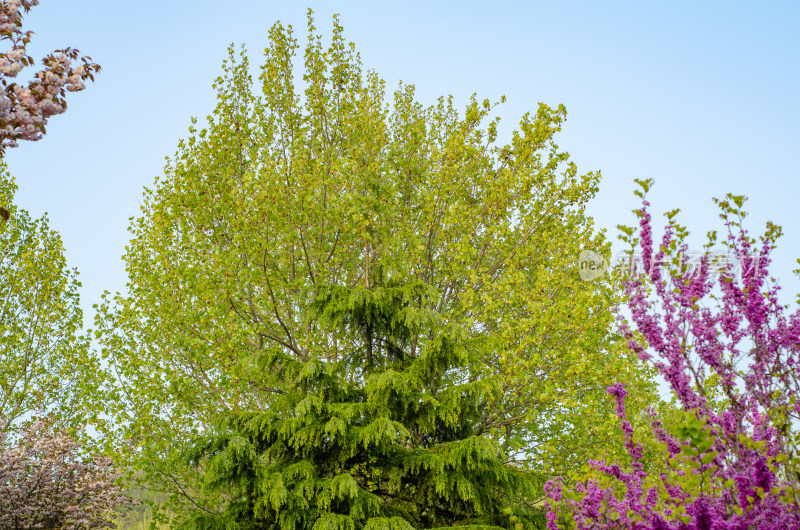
(731, 355)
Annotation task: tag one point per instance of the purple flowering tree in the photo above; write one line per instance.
(25, 109)
(718, 335)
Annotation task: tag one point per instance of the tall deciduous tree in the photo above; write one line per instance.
(47, 365)
(314, 183)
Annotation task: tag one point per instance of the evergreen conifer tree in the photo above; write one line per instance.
(388, 436)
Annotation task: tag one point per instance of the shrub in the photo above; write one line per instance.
(46, 483)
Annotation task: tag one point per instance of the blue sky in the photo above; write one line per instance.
(702, 97)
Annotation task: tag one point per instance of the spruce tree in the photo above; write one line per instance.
(386, 436)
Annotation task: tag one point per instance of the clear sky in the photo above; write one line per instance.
(700, 96)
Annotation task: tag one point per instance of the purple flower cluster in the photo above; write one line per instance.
(731, 354)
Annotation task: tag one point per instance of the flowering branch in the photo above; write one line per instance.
(44, 483)
(731, 354)
(24, 110)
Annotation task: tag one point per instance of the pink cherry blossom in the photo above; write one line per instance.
(46, 483)
(24, 110)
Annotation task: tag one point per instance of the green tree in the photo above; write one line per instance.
(382, 438)
(315, 183)
(47, 366)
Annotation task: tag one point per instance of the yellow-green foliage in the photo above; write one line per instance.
(46, 366)
(295, 186)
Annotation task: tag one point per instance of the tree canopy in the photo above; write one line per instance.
(307, 183)
(48, 367)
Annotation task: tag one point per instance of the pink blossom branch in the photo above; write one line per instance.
(25, 110)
